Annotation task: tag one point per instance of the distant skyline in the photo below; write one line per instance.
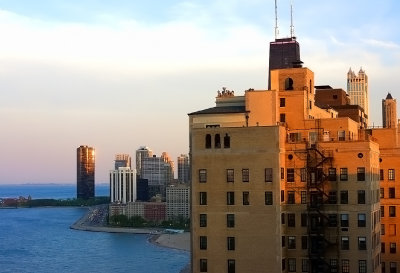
(123, 74)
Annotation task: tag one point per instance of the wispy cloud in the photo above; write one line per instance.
(381, 44)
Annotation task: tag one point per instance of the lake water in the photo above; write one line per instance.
(40, 240)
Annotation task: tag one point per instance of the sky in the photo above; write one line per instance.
(121, 74)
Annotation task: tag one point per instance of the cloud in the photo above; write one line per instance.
(381, 44)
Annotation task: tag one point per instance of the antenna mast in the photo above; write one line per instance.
(291, 20)
(276, 21)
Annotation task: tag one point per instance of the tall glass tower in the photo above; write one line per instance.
(85, 172)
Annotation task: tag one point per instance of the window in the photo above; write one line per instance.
(208, 141)
(246, 198)
(392, 193)
(381, 175)
(291, 242)
(291, 219)
(391, 174)
(332, 198)
(383, 248)
(343, 174)
(362, 266)
(344, 197)
(268, 174)
(332, 220)
(291, 264)
(393, 267)
(382, 211)
(382, 193)
(344, 220)
(231, 266)
(282, 218)
(202, 175)
(361, 196)
(392, 230)
(203, 220)
(383, 229)
(203, 198)
(304, 242)
(303, 197)
(383, 267)
(290, 174)
(334, 265)
(283, 264)
(230, 220)
(230, 198)
(303, 175)
(304, 219)
(245, 175)
(203, 242)
(282, 196)
(342, 135)
(392, 247)
(361, 174)
(268, 198)
(231, 243)
(344, 245)
(345, 266)
(305, 267)
(282, 102)
(288, 84)
(362, 243)
(282, 118)
(362, 220)
(290, 197)
(332, 174)
(203, 265)
(227, 141)
(392, 211)
(282, 173)
(230, 175)
(217, 141)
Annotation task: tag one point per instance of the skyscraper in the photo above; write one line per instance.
(141, 153)
(389, 112)
(122, 160)
(357, 88)
(183, 169)
(123, 185)
(85, 172)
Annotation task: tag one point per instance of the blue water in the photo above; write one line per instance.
(54, 191)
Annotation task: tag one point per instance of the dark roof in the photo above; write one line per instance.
(319, 87)
(221, 110)
(389, 96)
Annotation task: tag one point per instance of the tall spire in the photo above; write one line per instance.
(291, 20)
(276, 21)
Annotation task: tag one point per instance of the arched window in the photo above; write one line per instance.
(227, 141)
(288, 84)
(208, 141)
(217, 143)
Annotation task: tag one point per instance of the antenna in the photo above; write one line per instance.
(291, 20)
(276, 21)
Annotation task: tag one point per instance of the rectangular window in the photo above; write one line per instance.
(332, 220)
(362, 266)
(246, 198)
(304, 242)
(230, 198)
(361, 196)
(203, 265)
(344, 220)
(282, 102)
(382, 193)
(305, 267)
(291, 242)
(245, 175)
(282, 118)
(230, 175)
(360, 174)
(291, 219)
(282, 218)
(203, 242)
(393, 267)
(381, 175)
(230, 220)
(342, 135)
(291, 264)
(344, 197)
(268, 198)
(391, 174)
(392, 211)
(282, 196)
(332, 174)
(362, 220)
(383, 247)
(304, 219)
(303, 197)
(290, 197)
(362, 243)
(303, 175)
(203, 176)
(290, 174)
(283, 241)
(343, 174)
(282, 173)
(344, 245)
(383, 267)
(383, 229)
(334, 265)
(203, 220)
(392, 247)
(332, 198)
(268, 174)
(382, 211)
(231, 243)
(203, 198)
(392, 193)
(345, 266)
(231, 266)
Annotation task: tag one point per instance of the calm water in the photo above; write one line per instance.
(39, 240)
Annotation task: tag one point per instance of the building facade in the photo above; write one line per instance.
(183, 169)
(282, 185)
(123, 185)
(85, 172)
(150, 211)
(122, 160)
(358, 90)
(178, 201)
(389, 112)
(141, 153)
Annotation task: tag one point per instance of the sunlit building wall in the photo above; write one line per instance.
(85, 172)
(123, 185)
(358, 90)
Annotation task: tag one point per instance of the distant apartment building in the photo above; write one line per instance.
(358, 89)
(85, 172)
(122, 160)
(389, 112)
(178, 201)
(150, 211)
(183, 169)
(159, 173)
(123, 185)
(141, 153)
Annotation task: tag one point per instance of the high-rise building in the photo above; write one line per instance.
(122, 160)
(183, 169)
(178, 202)
(357, 88)
(123, 185)
(282, 185)
(141, 153)
(389, 112)
(159, 172)
(85, 172)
